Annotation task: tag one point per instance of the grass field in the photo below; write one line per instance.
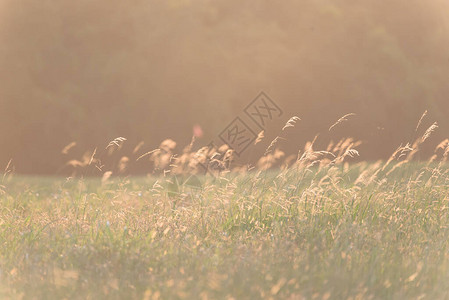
(336, 232)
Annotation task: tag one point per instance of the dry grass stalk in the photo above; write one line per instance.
(393, 156)
(92, 157)
(442, 145)
(7, 170)
(397, 166)
(117, 142)
(341, 120)
(67, 148)
(260, 137)
(148, 153)
(272, 144)
(429, 131)
(420, 120)
(291, 122)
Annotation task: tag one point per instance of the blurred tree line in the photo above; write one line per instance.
(90, 71)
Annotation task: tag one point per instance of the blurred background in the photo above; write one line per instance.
(90, 71)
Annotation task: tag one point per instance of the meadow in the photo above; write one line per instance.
(321, 227)
(147, 151)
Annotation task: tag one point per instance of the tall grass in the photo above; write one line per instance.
(331, 233)
(311, 227)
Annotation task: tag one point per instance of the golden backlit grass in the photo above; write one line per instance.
(334, 232)
(310, 226)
